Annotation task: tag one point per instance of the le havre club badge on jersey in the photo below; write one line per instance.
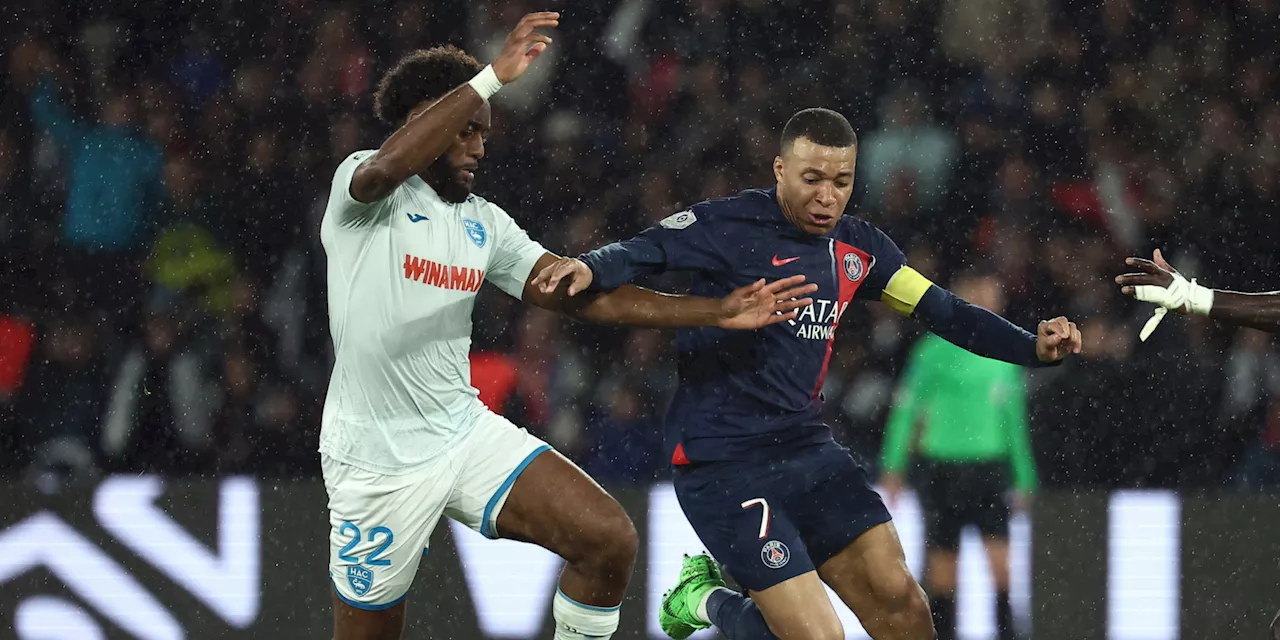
(360, 579)
(475, 231)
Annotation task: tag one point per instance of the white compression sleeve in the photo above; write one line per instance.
(575, 621)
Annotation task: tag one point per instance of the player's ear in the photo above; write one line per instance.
(777, 169)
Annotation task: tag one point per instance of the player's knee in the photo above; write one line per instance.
(608, 545)
(622, 541)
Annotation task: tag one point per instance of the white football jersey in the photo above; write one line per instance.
(403, 274)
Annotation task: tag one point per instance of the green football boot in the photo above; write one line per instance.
(698, 575)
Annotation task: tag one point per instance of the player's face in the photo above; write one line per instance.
(814, 184)
(454, 172)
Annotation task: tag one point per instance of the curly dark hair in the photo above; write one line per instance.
(421, 76)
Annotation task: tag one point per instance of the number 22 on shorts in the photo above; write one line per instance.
(348, 529)
(764, 514)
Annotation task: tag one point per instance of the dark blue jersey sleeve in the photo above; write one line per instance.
(681, 242)
(967, 326)
(888, 259)
(975, 329)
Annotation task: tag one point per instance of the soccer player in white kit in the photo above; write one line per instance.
(405, 438)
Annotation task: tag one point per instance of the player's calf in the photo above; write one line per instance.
(555, 505)
(601, 553)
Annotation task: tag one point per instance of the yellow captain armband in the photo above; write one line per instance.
(904, 291)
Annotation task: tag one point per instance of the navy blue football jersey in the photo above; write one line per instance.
(744, 394)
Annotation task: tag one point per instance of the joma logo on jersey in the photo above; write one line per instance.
(818, 320)
(442, 275)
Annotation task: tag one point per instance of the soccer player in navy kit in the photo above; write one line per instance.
(763, 483)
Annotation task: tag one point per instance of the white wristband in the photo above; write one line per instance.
(1199, 299)
(486, 82)
(1185, 295)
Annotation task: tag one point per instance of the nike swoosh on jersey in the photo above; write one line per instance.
(416, 217)
(779, 263)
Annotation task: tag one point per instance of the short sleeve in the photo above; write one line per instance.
(344, 208)
(514, 254)
(887, 258)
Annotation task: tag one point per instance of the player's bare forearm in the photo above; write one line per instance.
(624, 305)
(1254, 310)
(748, 307)
(417, 144)
(633, 306)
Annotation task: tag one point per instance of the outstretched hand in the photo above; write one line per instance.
(1056, 339)
(1153, 273)
(758, 304)
(524, 45)
(1162, 285)
(574, 272)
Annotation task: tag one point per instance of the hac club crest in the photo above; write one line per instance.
(360, 579)
(475, 231)
(854, 269)
(775, 554)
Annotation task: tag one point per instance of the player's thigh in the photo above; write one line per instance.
(515, 486)
(871, 575)
(379, 531)
(838, 504)
(799, 608)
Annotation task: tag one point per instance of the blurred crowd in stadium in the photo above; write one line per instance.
(163, 170)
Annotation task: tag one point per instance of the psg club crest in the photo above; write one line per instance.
(853, 267)
(475, 231)
(775, 554)
(360, 579)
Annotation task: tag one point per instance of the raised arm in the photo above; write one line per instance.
(429, 132)
(1159, 283)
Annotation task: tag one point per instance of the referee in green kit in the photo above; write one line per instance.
(965, 416)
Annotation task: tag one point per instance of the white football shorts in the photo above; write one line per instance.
(380, 526)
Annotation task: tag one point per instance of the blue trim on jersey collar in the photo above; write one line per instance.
(485, 530)
(588, 607)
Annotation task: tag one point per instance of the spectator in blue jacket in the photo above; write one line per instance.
(114, 180)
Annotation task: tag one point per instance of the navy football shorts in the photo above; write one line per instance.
(773, 520)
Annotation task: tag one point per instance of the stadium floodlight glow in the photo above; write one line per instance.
(1143, 568)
